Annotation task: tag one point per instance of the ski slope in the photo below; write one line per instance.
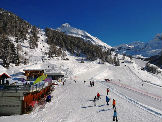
(73, 102)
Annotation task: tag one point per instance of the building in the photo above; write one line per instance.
(3, 78)
(54, 76)
(19, 99)
(32, 74)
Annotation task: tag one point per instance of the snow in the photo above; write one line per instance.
(72, 102)
(69, 30)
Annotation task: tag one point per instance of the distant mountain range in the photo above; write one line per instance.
(136, 49)
(141, 49)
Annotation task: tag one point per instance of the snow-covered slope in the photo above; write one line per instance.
(142, 49)
(69, 30)
(73, 102)
(33, 55)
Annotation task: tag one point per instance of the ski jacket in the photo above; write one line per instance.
(115, 114)
(98, 95)
(107, 90)
(107, 99)
(49, 97)
(114, 102)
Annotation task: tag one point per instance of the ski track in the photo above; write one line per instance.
(142, 106)
(159, 98)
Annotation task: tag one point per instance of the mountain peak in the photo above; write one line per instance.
(66, 25)
(72, 31)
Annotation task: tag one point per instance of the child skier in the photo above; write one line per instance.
(114, 103)
(115, 116)
(107, 91)
(94, 101)
(107, 100)
(98, 96)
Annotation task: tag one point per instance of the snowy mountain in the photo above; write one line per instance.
(142, 49)
(69, 30)
(25, 42)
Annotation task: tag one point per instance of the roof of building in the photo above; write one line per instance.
(33, 69)
(5, 75)
(56, 73)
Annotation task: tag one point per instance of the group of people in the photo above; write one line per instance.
(96, 98)
(91, 83)
(107, 101)
(114, 106)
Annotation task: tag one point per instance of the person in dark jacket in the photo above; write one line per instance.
(94, 101)
(90, 83)
(115, 116)
(48, 99)
(107, 100)
(93, 83)
(107, 91)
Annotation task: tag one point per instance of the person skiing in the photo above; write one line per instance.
(63, 83)
(93, 83)
(115, 116)
(90, 83)
(114, 103)
(94, 101)
(107, 100)
(107, 91)
(84, 82)
(98, 96)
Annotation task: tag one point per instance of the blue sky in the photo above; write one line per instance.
(113, 21)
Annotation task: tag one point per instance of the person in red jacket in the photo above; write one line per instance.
(107, 91)
(114, 103)
(98, 96)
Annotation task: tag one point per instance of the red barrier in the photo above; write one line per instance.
(31, 99)
(135, 90)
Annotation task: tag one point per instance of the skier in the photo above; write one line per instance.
(63, 83)
(107, 91)
(93, 83)
(98, 96)
(48, 99)
(115, 116)
(90, 83)
(107, 100)
(94, 101)
(84, 82)
(114, 103)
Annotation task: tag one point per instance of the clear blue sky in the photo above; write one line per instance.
(113, 21)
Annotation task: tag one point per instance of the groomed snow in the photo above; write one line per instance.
(73, 101)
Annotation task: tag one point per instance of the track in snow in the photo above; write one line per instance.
(147, 101)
